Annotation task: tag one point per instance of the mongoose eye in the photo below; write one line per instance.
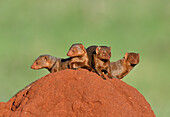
(105, 53)
(36, 63)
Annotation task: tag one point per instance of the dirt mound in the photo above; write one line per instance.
(77, 93)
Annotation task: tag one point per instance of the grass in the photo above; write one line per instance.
(31, 28)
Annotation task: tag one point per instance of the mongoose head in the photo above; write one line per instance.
(41, 62)
(103, 52)
(76, 50)
(132, 58)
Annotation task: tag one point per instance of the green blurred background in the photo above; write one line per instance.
(34, 27)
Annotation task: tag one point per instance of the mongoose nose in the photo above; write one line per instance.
(32, 67)
(69, 53)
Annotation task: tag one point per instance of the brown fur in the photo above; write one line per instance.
(123, 66)
(51, 63)
(99, 59)
(79, 57)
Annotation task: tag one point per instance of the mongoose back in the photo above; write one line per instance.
(79, 57)
(99, 59)
(51, 63)
(123, 66)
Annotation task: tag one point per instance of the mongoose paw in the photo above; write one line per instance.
(116, 77)
(103, 77)
(74, 68)
(110, 77)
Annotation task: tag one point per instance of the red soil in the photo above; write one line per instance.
(77, 93)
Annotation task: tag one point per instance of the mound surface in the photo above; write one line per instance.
(77, 93)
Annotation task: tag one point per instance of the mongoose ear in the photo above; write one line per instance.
(138, 55)
(110, 48)
(45, 58)
(97, 50)
(82, 47)
(126, 55)
(110, 51)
